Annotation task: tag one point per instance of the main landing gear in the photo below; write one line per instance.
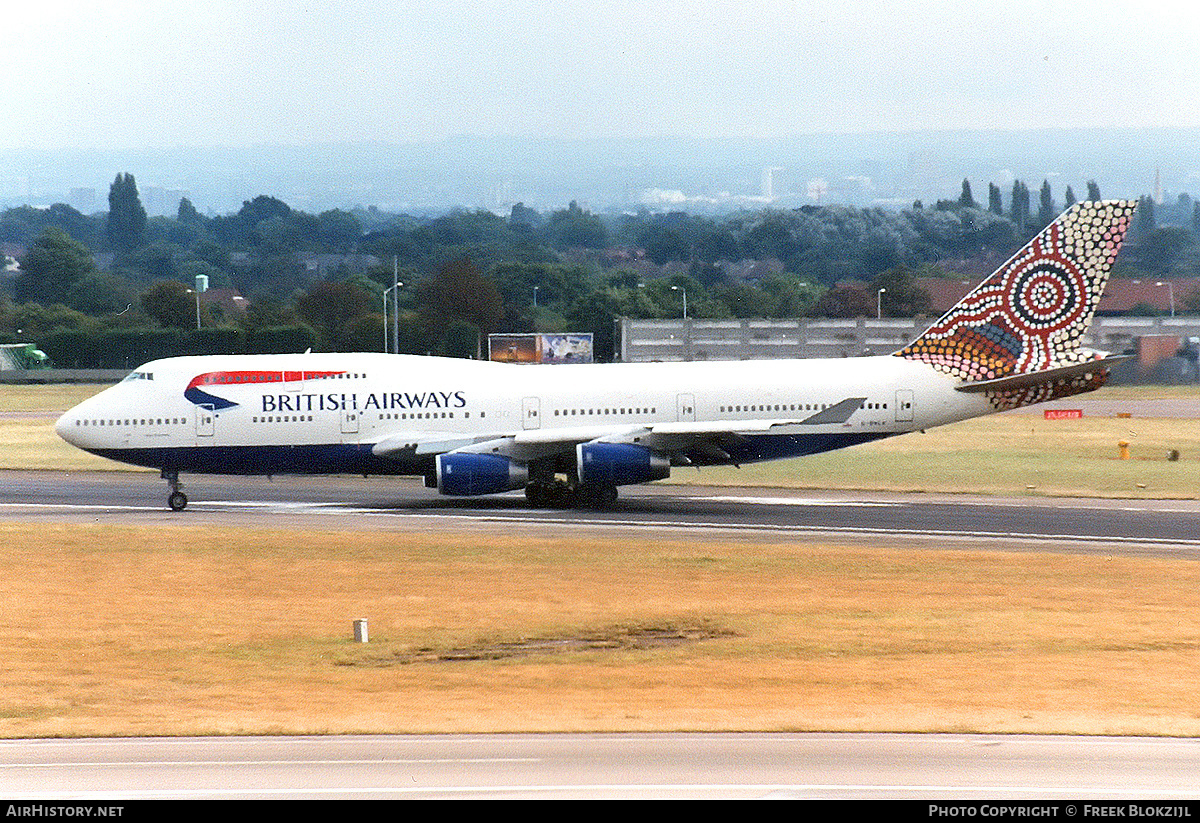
(559, 495)
(177, 501)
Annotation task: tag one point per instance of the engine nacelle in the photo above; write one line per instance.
(619, 464)
(463, 473)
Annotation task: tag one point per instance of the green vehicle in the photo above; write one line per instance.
(23, 356)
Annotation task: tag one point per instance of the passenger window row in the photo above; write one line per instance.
(159, 421)
(419, 415)
(603, 412)
(761, 407)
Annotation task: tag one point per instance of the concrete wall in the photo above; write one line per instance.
(675, 340)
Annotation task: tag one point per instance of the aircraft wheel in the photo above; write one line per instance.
(598, 496)
(607, 498)
(538, 495)
(556, 495)
(177, 501)
(561, 496)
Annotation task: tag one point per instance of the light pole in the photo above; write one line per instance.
(396, 284)
(386, 350)
(193, 291)
(1170, 294)
(394, 290)
(879, 304)
(201, 286)
(684, 292)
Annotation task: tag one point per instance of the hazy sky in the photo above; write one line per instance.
(128, 74)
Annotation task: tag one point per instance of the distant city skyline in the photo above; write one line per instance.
(660, 174)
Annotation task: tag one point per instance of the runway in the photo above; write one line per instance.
(995, 768)
(609, 766)
(1166, 527)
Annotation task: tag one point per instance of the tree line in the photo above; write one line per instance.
(115, 288)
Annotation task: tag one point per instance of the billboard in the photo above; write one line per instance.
(540, 348)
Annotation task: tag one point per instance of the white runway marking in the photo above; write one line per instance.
(637, 790)
(574, 520)
(791, 501)
(121, 764)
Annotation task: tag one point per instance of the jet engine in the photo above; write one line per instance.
(463, 473)
(619, 464)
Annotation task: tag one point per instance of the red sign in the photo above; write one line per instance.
(1064, 414)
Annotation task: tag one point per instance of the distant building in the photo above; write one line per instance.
(320, 266)
(228, 301)
(1125, 293)
(10, 253)
(1121, 295)
(161, 201)
(82, 200)
(677, 339)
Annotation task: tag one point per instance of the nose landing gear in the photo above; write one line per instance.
(176, 501)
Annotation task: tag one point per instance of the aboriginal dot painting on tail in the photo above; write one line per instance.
(1031, 314)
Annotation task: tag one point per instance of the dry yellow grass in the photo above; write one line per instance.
(27, 438)
(1011, 454)
(124, 631)
(51, 398)
(31, 444)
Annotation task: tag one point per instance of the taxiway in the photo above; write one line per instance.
(1000, 768)
(1165, 527)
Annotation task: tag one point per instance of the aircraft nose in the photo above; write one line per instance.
(66, 428)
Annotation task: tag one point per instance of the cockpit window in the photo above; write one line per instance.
(140, 375)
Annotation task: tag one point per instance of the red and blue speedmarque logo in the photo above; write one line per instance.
(201, 397)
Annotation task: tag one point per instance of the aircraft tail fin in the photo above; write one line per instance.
(1030, 314)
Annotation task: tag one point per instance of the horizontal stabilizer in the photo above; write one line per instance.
(1038, 378)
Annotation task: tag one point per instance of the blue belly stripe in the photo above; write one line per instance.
(338, 458)
(357, 458)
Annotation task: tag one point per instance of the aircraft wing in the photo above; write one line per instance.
(665, 437)
(423, 442)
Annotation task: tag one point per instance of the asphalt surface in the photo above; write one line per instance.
(1129, 526)
(998, 768)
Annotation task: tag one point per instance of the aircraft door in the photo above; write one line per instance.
(904, 406)
(349, 421)
(531, 413)
(205, 420)
(685, 408)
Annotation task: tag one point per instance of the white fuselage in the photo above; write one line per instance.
(330, 413)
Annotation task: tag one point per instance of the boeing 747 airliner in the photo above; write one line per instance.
(572, 434)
